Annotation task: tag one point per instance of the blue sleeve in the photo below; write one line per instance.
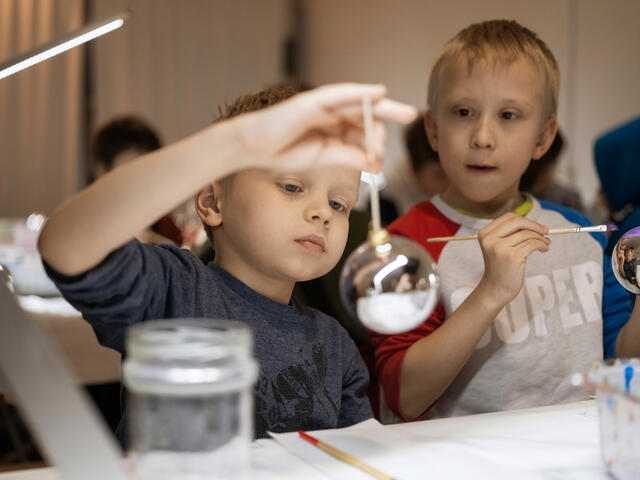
(617, 303)
(131, 285)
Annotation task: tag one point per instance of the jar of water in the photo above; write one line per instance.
(190, 398)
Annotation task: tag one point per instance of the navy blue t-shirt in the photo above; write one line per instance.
(311, 374)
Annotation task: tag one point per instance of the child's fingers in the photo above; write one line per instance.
(378, 138)
(344, 94)
(514, 248)
(280, 125)
(354, 135)
(387, 109)
(521, 236)
(335, 113)
(317, 149)
(346, 101)
(383, 110)
(509, 223)
(527, 247)
(336, 152)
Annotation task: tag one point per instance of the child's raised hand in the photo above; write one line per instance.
(319, 127)
(506, 243)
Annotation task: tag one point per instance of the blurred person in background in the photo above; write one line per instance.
(415, 180)
(540, 179)
(122, 140)
(617, 158)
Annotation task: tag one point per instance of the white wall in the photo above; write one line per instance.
(40, 107)
(607, 86)
(172, 63)
(176, 61)
(596, 44)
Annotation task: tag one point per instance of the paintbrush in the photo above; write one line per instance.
(552, 231)
(344, 457)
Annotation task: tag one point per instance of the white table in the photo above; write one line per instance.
(90, 362)
(556, 442)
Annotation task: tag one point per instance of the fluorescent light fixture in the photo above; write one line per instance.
(63, 44)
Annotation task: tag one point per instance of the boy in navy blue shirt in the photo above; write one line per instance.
(284, 181)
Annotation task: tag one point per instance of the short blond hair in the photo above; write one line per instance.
(501, 42)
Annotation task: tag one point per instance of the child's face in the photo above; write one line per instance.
(487, 126)
(283, 226)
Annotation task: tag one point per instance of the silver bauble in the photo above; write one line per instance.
(389, 285)
(625, 260)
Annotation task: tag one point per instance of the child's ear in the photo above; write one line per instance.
(545, 140)
(208, 204)
(431, 128)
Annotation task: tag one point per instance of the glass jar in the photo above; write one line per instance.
(190, 399)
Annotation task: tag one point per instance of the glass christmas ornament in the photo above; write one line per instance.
(625, 260)
(389, 283)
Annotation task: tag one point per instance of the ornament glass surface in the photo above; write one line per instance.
(625, 260)
(391, 287)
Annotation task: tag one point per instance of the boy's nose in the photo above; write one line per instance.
(482, 135)
(318, 211)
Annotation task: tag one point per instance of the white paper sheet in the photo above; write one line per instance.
(391, 453)
(560, 442)
(541, 441)
(271, 461)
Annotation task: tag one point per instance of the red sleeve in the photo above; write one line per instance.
(422, 221)
(389, 354)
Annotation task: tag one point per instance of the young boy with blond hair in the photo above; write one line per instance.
(275, 188)
(519, 312)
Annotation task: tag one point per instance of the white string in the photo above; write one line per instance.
(367, 113)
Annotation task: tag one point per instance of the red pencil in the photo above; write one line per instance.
(345, 457)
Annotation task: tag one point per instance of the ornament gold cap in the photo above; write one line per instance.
(378, 237)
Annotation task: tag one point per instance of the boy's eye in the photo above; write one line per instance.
(337, 206)
(508, 115)
(290, 188)
(463, 112)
